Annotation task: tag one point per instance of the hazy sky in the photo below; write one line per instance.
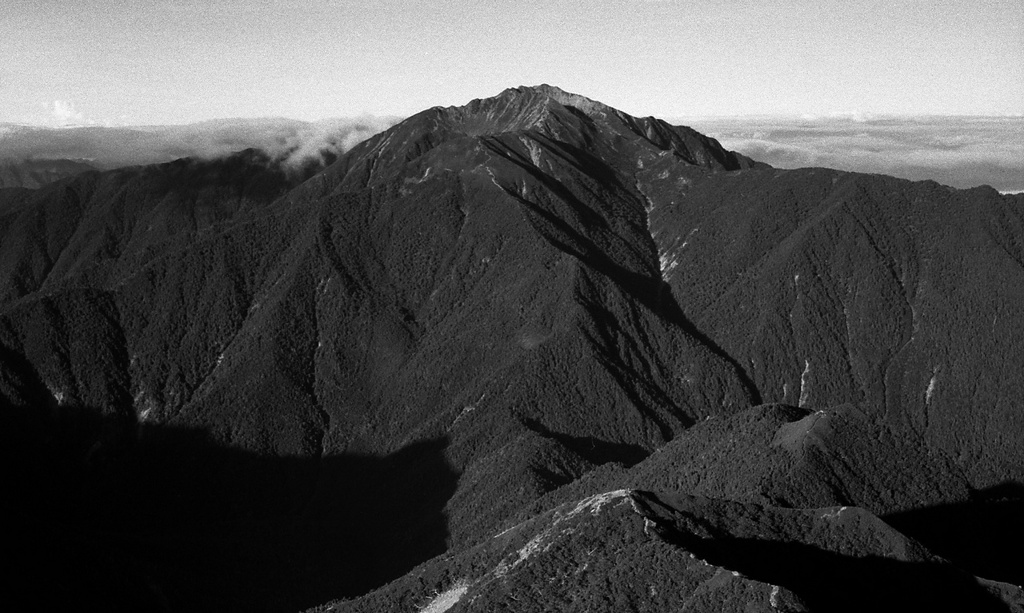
(177, 61)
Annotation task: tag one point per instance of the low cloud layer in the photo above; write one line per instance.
(956, 151)
(290, 141)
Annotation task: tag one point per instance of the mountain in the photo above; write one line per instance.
(227, 386)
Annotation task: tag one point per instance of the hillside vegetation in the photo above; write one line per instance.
(229, 386)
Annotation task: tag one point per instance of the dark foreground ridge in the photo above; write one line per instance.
(141, 517)
(226, 386)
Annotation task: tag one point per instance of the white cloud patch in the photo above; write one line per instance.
(321, 139)
(64, 113)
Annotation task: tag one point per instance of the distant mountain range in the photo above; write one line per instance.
(24, 150)
(527, 354)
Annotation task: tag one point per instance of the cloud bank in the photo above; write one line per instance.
(957, 151)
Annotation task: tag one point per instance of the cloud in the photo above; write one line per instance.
(322, 140)
(294, 143)
(64, 113)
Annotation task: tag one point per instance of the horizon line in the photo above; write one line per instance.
(854, 116)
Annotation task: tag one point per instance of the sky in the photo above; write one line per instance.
(147, 62)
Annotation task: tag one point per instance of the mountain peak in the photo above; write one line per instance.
(530, 112)
(519, 108)
(557, 94)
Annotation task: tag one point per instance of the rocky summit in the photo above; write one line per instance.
(527, 354)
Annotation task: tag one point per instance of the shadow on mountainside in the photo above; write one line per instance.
(591, 449)
(647, 287)
(110, 514)
(829, 581)
(984, 536)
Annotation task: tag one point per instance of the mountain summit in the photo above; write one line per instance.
(566, 116)
(523, 108)
(475, 331)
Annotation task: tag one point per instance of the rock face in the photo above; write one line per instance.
(238, 390)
